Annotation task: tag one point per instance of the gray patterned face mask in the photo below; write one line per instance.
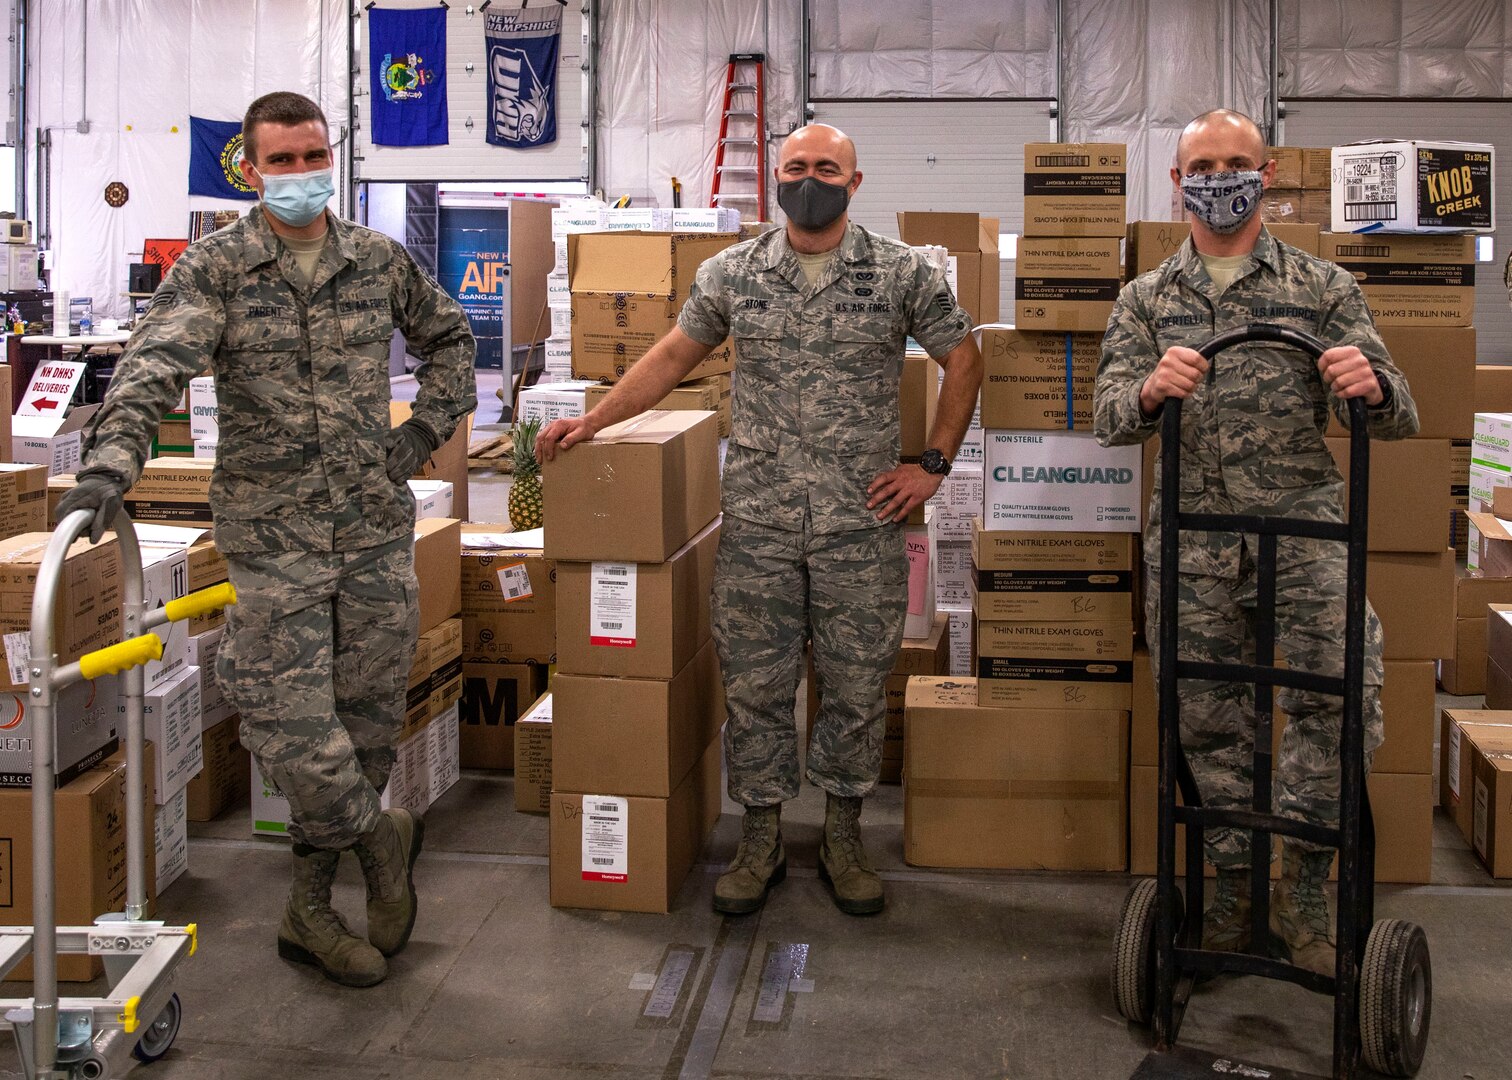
(1223, 201)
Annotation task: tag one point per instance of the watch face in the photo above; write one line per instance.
(933, 461)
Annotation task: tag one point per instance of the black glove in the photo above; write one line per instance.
(409, 446)
(100, 493)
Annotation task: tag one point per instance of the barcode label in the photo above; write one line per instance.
(616, 571)
(514, 583)
(18, 657)
(1363, 251)
(611, 605)
(1370, 211)
(1062, 161)
(606, 838)
(613, 626)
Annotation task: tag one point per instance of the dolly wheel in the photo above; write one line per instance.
(158, 1038)
(1396, 998)
(1133, 971)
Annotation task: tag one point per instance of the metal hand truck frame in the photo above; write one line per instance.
(1382, 982)
(82, 1038)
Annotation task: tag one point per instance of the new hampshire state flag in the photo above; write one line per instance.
(407, 56)
(215, 153)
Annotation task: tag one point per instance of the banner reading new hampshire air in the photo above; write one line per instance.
(523, 48)
(407, 55)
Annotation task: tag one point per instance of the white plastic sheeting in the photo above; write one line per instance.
(150, 64)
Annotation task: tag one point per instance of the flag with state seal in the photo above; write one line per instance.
(215, 153)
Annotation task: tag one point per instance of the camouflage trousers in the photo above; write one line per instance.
(1217, 621)
(774, 591)
(316, 659)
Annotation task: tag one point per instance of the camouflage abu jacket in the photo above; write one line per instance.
(815, 399)
(301, 378)
(1252, 434)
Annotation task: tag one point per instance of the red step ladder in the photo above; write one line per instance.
(743, 77)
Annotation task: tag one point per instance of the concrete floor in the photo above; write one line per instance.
(966, 974)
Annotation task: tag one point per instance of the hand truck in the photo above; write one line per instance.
(1382, 984)
(92, 1038)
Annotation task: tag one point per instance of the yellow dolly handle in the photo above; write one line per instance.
(201, 602)
(120, 656)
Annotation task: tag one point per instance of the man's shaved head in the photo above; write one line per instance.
(1234, 129)
(820, 142)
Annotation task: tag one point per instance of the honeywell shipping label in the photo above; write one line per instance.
(514, 583)
(606, 838)
(611, 605)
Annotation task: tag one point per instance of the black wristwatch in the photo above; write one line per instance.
(934, 463)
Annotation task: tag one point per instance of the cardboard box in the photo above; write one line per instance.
(1422, 186)
(722, 219)
(1439, 363)
(204, 409)
(165, 577)
(1293, 206)
(532, 756)
(918, 394)
(1413, 596)
(1409, 501)
(1410, 280)
(448, 463)
(509, 598)
(433, 498)
(86, 726)
(972, 245)
(1060, 482)
(417, 690)
(634, 736)
(1015, 789)
(1074, 189)
(90, 824)
(52, 442)
(919, 544)
(1498, 681)
(709, 394)
(953, 573)
(1464, 673)
(438, 566)
(553, 401)
(1025, 379)
(1054, 665)
(87, 604)
(174, 491)
(1288, 161)
(492, 697)
(172, 718)
(958, 502)
(444, 643)
(1491, 807)
(1066, 283)
(170, 840)
(1147, 244)
(225, 779)
(1493, 388)
(1053, 576)
(962, 641)
(203, 650)
(428, 765)
(637, 492)
(630, 853)
(23, 498)
(1491, 443)
(1407, 713)
(640, 620)
(1317, 167)
(1460, 730)
(1493, 541)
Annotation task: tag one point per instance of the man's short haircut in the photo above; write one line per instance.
(280, 107)
(1214, 114)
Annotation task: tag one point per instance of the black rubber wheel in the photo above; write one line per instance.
(1396, 998)
(1133, 970)
(157, 1040)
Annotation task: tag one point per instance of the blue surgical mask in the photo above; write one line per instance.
(297, 198)
(1223, 201)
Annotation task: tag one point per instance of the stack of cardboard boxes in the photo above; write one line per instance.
(1299, 192)
(1475, 775)
(632, 523)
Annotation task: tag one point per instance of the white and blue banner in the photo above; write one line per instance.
(523, 48)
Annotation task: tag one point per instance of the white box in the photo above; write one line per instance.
(721, 219)
(433, 498)
(1472, 553)
(86, 718)
(446, 758)
(170, 838)
(953, 574)
(1491, 446)
(205, 450)
(1060, 481)
(561, 320)
(559, 252)
(957, 502)
(637, 219)
(1482, 482)
(919, 542)
(1413, 186)
(18, 267)
(962, 663)
(270, 809)
(553, 401)
(557, 290)
(172, 714)
(44, 440)
(557, 366)
(165, 577)
(214, 706)
(204, 412)
(576, 217)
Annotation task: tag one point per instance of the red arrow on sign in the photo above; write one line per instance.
(45, 403)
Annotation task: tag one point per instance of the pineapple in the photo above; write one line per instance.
(525, 508)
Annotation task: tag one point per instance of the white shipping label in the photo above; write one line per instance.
(611, 605)
(1454, 761)
(18, 657)
(950, 276)
(514, 583)
(606, 838)
(1482, 813)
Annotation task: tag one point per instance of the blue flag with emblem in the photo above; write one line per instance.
(407, 56)
(215, 153)
(523, 49)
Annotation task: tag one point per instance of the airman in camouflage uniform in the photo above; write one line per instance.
(1252, 443)
(811, 548)
(312, 512)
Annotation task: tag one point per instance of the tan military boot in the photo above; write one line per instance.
(842, 861)
(759, 863)
(313, 933)
(1300, 913)
(1226, 923)
(388, 854)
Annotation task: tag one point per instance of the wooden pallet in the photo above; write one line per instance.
(491, 453)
